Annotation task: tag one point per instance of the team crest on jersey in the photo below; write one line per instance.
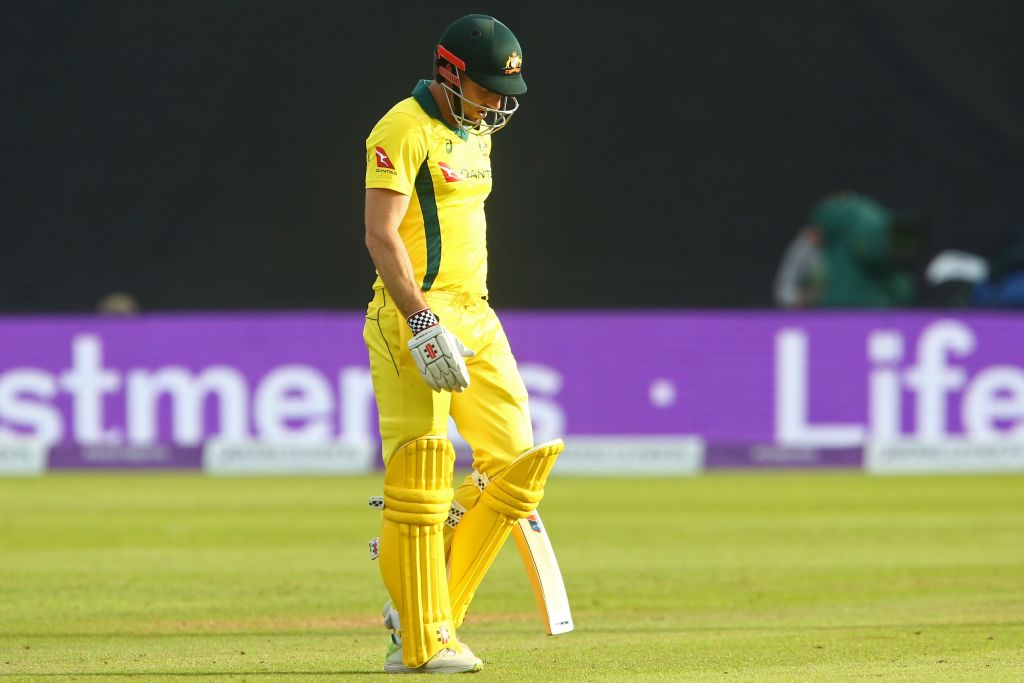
(383, 160)
(450, 174)
(514, 64)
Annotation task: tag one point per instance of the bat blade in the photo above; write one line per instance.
(544, 574)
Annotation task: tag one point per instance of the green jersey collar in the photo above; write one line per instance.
(421, 93)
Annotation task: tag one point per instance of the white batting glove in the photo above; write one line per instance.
(438, 353)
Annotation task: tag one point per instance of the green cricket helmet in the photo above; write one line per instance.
(489, 53)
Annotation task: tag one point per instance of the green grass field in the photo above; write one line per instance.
(792, 576)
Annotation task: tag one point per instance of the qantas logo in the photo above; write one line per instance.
(454, 175)
(383, 161)
(450, 174)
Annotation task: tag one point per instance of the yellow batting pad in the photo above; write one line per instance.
(510, 496)
(417, 496)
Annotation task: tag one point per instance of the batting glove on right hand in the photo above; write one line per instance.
(438, 353)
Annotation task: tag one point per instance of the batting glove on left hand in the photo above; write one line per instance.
(439, 354)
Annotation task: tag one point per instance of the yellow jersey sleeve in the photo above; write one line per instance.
(395, 150)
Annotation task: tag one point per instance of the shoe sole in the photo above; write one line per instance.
(402, 669)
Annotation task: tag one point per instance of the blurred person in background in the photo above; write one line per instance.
(118, 303)
(1003, 287)
(800, 279)
(951, 279)
(871, 256)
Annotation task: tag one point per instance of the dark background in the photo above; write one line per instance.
(209, 155)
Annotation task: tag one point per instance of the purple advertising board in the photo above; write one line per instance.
(757, 388)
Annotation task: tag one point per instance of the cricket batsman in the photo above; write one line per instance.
(437, 350)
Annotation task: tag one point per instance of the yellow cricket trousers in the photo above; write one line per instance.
(492, 414)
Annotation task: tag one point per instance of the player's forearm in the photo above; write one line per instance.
(396, 272)
(384, 212)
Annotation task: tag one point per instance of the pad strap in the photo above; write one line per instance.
(455, 514)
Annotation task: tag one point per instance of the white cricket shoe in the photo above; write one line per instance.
(446, 661)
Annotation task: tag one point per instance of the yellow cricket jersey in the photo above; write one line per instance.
(413, 150)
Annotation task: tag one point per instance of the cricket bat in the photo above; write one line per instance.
(544, 574)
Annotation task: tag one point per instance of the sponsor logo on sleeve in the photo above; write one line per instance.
(383, 160)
